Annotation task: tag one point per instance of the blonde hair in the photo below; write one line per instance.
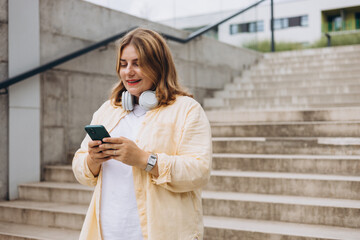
(155, 62)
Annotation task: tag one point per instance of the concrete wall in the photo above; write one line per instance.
(74, 90)
(4, 101)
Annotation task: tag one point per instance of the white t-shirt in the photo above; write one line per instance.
(118, 209)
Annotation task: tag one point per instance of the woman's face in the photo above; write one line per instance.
(130, 73)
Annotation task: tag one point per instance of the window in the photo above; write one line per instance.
(337, 23)
(304, 21)
(250, 27)
(294, 21)
(260, 26)
(244, 27)
(282, 23)
(234, 29)
(334, 23)
(357, 20)
(277, 24)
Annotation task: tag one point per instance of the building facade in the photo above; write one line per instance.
(302, 21)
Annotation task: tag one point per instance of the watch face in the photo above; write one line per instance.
(152, 160)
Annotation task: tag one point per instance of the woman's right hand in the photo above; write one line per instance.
(96, 157)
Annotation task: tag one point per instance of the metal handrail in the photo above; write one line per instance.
(18, 78)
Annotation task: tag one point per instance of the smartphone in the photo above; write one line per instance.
(97, 132)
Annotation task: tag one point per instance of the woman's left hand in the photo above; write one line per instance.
(126, 151)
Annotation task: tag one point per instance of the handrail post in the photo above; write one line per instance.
(272, 27)
(328, 36)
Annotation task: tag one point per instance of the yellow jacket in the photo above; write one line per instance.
(170, 205)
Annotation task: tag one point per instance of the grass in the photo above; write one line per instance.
(265, 46)
(339, 40)
(336, 40)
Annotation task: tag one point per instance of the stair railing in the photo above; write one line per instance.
(18, 78)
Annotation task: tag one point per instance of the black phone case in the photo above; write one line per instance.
(96, 132)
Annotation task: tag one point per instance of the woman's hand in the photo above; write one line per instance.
(96, 157)
(126, 151)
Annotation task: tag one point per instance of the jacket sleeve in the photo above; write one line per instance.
(79, 164)
(189, 169)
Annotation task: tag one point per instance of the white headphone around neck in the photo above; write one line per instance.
(147, 100)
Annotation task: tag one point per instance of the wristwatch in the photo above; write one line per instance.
(151, 162)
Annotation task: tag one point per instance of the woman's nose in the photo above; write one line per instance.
(129, 70)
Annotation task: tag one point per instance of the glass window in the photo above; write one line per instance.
(247, 27)
(304, 21)
(277, 23)
(295, 21)
(282, 23)
(252, 27)
(337, 23)
(244, 27)
(260, 26)
(285, 23)
(233, 29)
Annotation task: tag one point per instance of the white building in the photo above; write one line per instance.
(303, 21)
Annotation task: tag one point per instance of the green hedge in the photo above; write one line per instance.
(336, 40)
(265, 46)
(339, 40)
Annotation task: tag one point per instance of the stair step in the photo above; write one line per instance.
(218, 228)
(316, 164)
(273, 59)
(287, 145)
(267, 64)
(304, 75)
(290, 69)
(287, 129)
(280, 83)
(326, 53)
(286, 92)
(44, 214)
(268, 106)
(296, 209)
(61, 173)
(290, 101)
(56, 192)
(15, 231)
(282, 115)
(294, 184)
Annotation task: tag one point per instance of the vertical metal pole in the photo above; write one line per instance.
(272, 27)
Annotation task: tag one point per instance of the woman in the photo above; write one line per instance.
(148, 176)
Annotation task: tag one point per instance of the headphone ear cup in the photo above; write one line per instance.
(148, 100)
(123, 100)
(127, 101)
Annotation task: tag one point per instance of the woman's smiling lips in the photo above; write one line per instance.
(133, 82)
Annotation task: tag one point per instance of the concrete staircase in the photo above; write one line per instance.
(287, 149)
(307, 79)
(51, 210)
(286, 159)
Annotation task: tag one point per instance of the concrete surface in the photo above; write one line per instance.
(4, 102)
(321, 164)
